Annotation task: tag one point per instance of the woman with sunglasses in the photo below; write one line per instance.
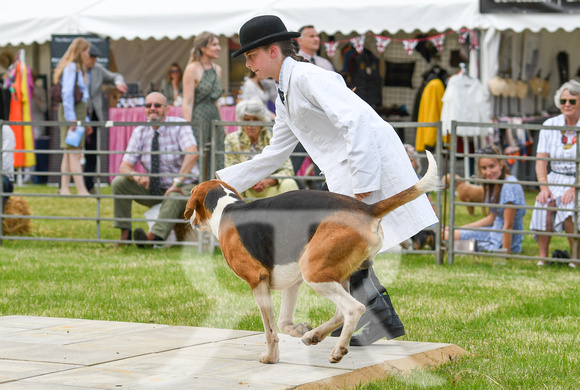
(558, 144)
(171, 85)
(499, 218)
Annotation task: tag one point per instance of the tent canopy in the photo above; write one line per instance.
(30, 21)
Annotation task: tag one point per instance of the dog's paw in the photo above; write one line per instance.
(267, 358)
(312, 338)
(296, 330)
(337, 353)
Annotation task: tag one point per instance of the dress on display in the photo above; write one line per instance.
(207, 92)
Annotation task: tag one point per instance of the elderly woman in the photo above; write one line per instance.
(254, 139)
(557, 144)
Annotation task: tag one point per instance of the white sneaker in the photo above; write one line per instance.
(572, 265)
(541, 263)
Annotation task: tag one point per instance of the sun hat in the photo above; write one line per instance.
(262, 30)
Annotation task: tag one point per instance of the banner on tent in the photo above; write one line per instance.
(529, 6)
(59, 43)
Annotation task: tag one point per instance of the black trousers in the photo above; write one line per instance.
(91, 159)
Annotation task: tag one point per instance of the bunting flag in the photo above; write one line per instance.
(358, 43)
(382, 43)
(409, 45)
(330, 48)
(474, 45)
(437, 41)
(463, 33)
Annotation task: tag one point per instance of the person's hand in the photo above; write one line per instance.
(362, 196)
(89, 130)
(142, 181)
(569, 196)
(263, 184)
(544, 196)
(174, 188)
(72, 128)
(122, 87)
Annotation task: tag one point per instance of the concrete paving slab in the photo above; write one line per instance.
(59, 353)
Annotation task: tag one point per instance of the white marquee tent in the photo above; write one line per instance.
(163, 31)
(28, 21)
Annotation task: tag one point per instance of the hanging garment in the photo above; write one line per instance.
(367, 79)
(430, 109)
(17, 79)
(464, 101)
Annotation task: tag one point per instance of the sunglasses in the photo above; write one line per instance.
(157, 105)
(488, 150)
(572, 101)
(174, 71)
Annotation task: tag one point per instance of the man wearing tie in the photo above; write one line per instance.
(171, 175)
(309, 43)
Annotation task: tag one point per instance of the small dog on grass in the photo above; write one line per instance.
(316, 236)
(466, 192)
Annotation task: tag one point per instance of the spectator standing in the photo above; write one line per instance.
(558, 144)
(175, 190)
(171, 85)
(202, 89)
(309, 44)
(98, 76)
(72, 69)
(8, 145)
(253, 139)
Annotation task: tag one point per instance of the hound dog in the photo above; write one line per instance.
(317, 236)
(466, 192)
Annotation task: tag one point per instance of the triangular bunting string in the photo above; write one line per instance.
(330, 48)
(463, 35)
(438, 41)
(358, 43)
(382, 43)
(409, 45)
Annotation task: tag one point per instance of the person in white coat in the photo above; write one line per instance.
(359, 153)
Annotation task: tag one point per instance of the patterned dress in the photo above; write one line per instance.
(207, 92)
(557, 144)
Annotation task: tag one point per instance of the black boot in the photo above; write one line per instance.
(380, 319)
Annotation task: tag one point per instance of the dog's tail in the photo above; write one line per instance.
(429, 182)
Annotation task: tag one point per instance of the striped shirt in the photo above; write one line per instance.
(172, 138)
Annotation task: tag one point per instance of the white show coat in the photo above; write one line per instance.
(354, 147)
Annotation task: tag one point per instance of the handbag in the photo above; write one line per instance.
(56, 91)
(74, 137)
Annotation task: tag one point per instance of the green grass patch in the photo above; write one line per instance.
(520, 323)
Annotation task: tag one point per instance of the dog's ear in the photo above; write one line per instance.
(191, 205)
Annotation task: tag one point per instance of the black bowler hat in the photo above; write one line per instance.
(261, 31)
(94, 51)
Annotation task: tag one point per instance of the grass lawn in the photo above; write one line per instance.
(519, 322)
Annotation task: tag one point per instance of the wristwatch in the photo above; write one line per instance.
(178, 182)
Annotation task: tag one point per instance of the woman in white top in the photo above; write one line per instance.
(558, 144)
(264, 90)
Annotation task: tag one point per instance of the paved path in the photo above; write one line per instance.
(65, 354)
